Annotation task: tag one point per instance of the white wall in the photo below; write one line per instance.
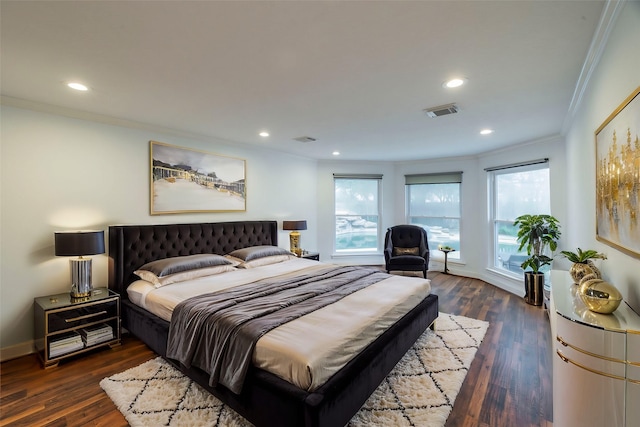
(616, 76)
(61, 173)
(476, 255)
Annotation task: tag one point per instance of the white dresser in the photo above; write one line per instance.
(596, 361)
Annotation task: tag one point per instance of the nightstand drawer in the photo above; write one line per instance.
(61, 320)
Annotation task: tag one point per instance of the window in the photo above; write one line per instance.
(357, 213)
(515, 190)
(433, 202)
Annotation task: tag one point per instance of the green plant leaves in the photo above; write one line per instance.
(536, 232)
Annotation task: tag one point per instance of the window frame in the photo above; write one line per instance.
(436, 179)
(379, 237)
(494, 223)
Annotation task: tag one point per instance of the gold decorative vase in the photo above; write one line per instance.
(599, 296)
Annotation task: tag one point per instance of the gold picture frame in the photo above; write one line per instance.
(618, 177)
(187, 181)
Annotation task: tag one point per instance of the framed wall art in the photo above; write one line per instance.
(618, 177)
(185, 180)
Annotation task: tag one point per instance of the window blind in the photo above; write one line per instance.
(434, 178)
(357, 176)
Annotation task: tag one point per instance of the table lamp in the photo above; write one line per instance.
(79, 243)
(294, 236)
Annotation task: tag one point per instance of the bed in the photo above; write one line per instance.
(265, 398)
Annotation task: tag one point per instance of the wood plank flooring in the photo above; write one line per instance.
(509, 382)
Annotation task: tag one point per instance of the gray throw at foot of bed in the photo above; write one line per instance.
(217, 332)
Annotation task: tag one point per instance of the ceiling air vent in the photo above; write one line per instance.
(441, 110)
(304, 139)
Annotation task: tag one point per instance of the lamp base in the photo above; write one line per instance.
(294, 243)
(80, 277)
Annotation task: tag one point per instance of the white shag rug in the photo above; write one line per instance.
(420, 390)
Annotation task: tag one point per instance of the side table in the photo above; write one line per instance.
(310, 255)
(446, 254)
(66, 326)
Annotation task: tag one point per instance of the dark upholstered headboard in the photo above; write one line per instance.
(131, 246)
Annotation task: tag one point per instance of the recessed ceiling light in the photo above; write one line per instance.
(486, 131)
(77, 86)
(264, 134)
(457, 82)
(336, 153)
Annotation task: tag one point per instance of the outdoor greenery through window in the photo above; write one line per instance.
(357, 213)
(514, 191)
(433, 202)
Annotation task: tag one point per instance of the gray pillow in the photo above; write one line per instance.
(255, 252)
(183, 276)
(166, 266)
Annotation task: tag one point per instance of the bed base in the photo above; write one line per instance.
(266, 400)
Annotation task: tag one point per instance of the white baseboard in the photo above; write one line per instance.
(18, 350)
(509, 284)
(493, 277)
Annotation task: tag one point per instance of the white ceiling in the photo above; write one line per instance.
(355, 75)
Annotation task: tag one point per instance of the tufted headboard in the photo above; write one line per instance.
(131, 246)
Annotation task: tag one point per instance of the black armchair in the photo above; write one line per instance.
(406, 248)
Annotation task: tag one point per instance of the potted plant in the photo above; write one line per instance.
(536, 233)
(583, 264)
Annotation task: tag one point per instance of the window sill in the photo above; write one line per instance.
(355, 254)
(504, 273)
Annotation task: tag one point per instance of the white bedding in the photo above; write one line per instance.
(310, 349)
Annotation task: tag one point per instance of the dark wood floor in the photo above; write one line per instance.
(509, 383)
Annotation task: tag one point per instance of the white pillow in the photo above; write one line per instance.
(178, 269)
(183, 276)
(265, 261)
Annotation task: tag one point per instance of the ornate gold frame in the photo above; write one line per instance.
(618, 177)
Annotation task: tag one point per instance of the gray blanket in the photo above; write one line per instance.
(217, 332)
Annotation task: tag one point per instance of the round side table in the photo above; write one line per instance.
(446, 253)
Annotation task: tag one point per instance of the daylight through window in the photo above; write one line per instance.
(433, 202)
(514, 191)
(357, 213)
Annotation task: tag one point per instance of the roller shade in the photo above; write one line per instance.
(357, 176)
(434, 178)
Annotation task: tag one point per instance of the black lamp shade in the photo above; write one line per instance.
(78, 243)
(294, 225)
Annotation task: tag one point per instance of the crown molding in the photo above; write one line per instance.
(98, 118)
(608, 18)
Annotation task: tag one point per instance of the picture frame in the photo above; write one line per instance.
(618, 177)
(184, 180)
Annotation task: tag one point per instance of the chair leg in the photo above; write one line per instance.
(425, 272)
